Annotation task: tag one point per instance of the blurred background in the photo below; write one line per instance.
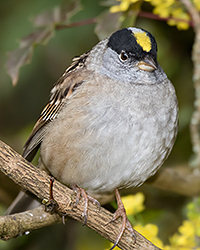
(21, 105)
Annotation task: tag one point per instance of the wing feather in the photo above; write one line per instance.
(61, 91)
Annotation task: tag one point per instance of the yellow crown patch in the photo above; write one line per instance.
(143, 40)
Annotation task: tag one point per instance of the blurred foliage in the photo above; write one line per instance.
(173, 10)
(188, 234)
(21, 105)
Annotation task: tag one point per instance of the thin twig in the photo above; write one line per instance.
(76, 24)
(156, 17)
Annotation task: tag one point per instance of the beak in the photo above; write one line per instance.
(148, 64)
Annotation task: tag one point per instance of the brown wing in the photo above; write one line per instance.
(61, 90)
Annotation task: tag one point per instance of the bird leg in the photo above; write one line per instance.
(51, 204)
(121, 212)
(81, 192)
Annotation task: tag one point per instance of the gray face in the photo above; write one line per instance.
(133, 70)
(130, 55)
(114, 67)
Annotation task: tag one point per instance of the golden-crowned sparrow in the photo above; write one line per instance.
(112, 117)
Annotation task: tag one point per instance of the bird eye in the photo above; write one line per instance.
(123, 56)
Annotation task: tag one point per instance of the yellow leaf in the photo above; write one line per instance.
(197, 4)
(123, 6)
(134, 203)
(187, 228)
(150, 231)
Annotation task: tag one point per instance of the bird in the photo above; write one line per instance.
(111, 120)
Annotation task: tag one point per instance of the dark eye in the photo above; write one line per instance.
(123, 56)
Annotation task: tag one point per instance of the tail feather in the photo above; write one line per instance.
(24, 201)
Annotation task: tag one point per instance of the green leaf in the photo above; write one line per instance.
(46, 24)
(69, 9)
(16, 59)
(107, 23)
(109, 3)
(58, 15)
(40, 36)
(129, 18)
(23, 55)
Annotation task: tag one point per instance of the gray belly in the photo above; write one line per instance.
(110, 145)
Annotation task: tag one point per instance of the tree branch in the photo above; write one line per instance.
(193, 12)
(12, 226)
(36, 181)
(195, 121)
(178, 179)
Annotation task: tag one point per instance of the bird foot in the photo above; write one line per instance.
(80, 192)
(121, 212)
(50, 205)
